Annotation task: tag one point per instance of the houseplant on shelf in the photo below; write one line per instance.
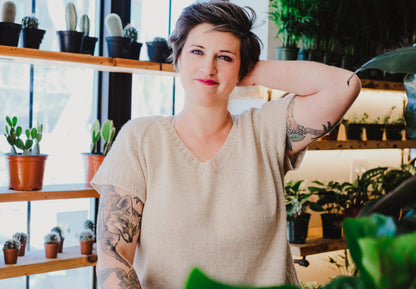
(332, 200)
(58, 230)
(158, 50)
(93, 159)
(52, 240)
(11, 251)
(297, 202)
(88, 43)
(32, 36)
(9, 31)
(70, 40)
(135, 47)
(26, 169)
(86, 240)
(22, 237)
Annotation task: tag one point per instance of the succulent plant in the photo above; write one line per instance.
(107, 132)
(84, 23)
(88, 224)
(11, 244)
(131, 32)
(58, 230)
(30, 22)
(33, 136)
(52, 238)
(86, 235)
(159, 39)
(71, 16)
(8, 12)
(113, 25)
(22, 237)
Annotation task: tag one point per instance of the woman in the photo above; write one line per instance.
(204, 188)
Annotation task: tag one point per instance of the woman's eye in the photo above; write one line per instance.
(196, 51)
(226, 58)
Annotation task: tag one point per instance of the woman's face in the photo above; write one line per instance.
(209, 65)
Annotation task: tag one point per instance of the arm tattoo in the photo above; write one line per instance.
(119, 220)
(128, 280)
(296, 132)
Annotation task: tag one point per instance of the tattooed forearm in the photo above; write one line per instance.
(118, 220)
(125, 279)
(296, 132)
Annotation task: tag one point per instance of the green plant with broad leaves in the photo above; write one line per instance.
(332, 197)
(107, 132)
(297, 200)
(14, 133)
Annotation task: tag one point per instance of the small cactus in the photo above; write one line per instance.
(159, 39)
(131, 32)
(58, 230)
(107, 132)
(88, 224)
(11, 244)
(95, 136)
(113, 25)
(33, 136)
(86, 235)
(22, 237)
(30, 22)
(71, 16)
(8, 12)
(84, 24)
(52, 238)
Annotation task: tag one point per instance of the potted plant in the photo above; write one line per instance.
(117, 44)
(88, 43)
(70, 40)
(31, 35)
(51, 243)
(26, 169)
(22, 237)
(394, 127)
(135, 47)
(158, 50)
(11, 251)
(58, 230)
(374, 129)
(297, 202)
(354, 127)
(332, 200)
(86, 239)
(291, 19)
(9, 31)
(93, 159)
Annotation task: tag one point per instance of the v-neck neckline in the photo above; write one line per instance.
(214, 163)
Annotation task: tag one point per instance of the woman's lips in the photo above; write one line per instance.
(207, 81)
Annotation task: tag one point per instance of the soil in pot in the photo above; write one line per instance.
(32, 37)
(91, 165)
(118, 46)
(88, 45)
(297, 229)
(332, 225)
(10, 256)
(374, 131)
(70, 41)
(9, 33)
(86, 247)
(51, 250)
(26, 172)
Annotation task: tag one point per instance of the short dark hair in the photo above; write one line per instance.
(225, 17)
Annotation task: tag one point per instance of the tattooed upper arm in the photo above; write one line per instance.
(119, 223)
(296, 132)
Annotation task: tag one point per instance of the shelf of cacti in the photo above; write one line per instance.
(35, 56)
(36, 263)
(48, 192)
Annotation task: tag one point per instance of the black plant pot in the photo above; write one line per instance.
(135, 48)
(394, 131)
(297, 229)
(118, 46)
(88, 44)
(158, 51)
(303, 54)
(32, 37)
(354, 131)
(70, 41)
(9, 33)
(287, 53)
(374, 131)
(332, 225)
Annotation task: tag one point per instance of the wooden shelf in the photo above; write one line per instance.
(317, 246)
(35, 56)
(49, 192)
(382, 84)
(36, 263)
(358, 144)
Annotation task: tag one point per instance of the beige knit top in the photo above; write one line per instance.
(226, 215)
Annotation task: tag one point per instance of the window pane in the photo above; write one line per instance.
(19, 282)
(13, 216)
(80, 278)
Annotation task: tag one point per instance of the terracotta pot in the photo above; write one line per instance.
(10, 256)
(91, 165)
(51, 250)
(61, 245)
(22, 248)
(86, 247)
(26, 172)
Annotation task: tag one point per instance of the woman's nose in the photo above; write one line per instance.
(209, 67)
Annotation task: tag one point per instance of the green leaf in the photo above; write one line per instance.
(106, 130)
(20, 144)
(34, 133)
(345, 282)
(401, 60)
(370, 261)
(19, 131)
(14, 121)
(9, 121)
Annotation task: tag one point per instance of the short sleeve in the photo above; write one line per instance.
(122, 167)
